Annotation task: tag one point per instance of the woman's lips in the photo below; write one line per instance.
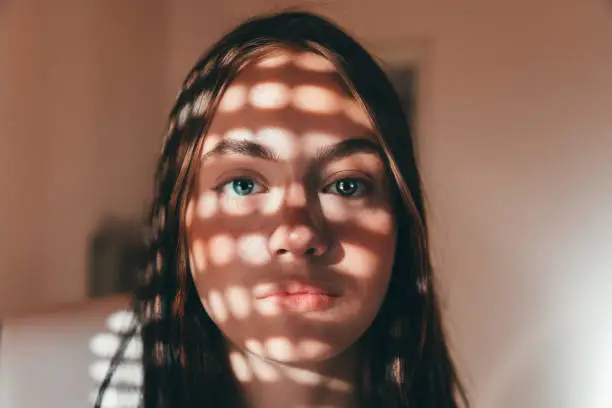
(298, 297)
(301, 302)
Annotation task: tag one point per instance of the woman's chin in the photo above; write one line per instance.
(300, 353)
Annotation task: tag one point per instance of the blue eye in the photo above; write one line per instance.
(241, 187)
(348, 187)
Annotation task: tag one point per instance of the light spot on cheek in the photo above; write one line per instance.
(198, 255)
(217, 306)
(334, 210)
(316, 99)
(238, 301)
(273, 201)
(237, 207)
(252, 249)
(378, 221)
(363, 262)
(222, 249)
(265, 308)
(207, 205)
(269, 95)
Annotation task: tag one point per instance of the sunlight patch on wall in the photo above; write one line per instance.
(124, 388)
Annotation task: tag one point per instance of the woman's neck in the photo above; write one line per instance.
(269, 384)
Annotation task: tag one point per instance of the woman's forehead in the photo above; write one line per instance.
(306, 60)
(291, 100)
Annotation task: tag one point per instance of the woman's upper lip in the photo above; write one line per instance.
(292, 287)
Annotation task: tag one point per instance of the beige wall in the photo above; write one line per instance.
(515, 142)
(82, 105)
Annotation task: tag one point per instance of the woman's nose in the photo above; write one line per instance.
(298, 241)
(297, 234)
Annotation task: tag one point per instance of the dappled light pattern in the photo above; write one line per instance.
(291, 233)
(269, 95)
(248, 369)
(308, 62)
(235, 98)
(287, 208)
(124, 389)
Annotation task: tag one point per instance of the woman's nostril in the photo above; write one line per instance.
(309, 251)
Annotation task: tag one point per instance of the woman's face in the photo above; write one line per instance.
(290, 224)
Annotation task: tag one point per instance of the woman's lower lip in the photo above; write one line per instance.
(302, 302)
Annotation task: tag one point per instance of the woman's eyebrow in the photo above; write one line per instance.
(243, 148)
(323, 156)
(345, 148)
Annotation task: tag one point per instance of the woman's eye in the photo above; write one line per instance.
(348, 187)
(241, 187)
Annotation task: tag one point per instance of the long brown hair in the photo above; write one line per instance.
(407, 361)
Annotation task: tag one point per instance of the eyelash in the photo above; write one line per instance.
(364, 185)
(228, 184)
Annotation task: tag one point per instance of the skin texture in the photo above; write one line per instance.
(291, 190)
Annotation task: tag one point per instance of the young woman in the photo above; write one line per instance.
(288, 263)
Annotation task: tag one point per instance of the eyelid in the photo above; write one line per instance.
(368, 184)
(233, 175)
(348, 174)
